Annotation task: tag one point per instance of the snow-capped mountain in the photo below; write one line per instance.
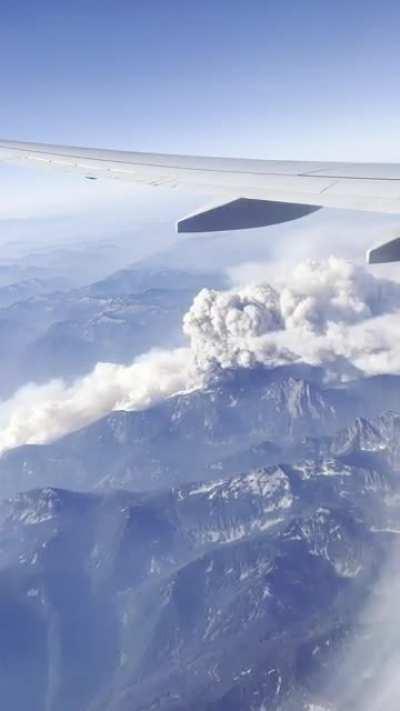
(380, 436)
(243, 419)
(231, 594)
(190, 436)
(214, 552)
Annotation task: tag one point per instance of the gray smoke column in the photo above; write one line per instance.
(329, 313)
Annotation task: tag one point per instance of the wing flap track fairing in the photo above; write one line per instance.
(244, 213)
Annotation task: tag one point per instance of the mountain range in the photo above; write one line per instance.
(47, 333)
(217, 551)
(230, 594)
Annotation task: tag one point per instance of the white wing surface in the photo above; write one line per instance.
(253, 192)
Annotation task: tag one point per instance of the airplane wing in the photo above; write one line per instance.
(253, 193)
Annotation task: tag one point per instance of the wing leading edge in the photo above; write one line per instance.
(253, 192)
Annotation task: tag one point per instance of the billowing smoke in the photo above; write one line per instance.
(326, 313)
(40, 413)
(329, 313)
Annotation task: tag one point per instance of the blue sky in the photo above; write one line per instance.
(290, 79)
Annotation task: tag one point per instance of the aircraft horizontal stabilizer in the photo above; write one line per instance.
(242, 214)
(387, 252)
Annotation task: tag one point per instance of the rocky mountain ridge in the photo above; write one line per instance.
(243, 419)
(230, 594)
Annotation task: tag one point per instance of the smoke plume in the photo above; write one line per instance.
(331, 313)
(41, 413)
